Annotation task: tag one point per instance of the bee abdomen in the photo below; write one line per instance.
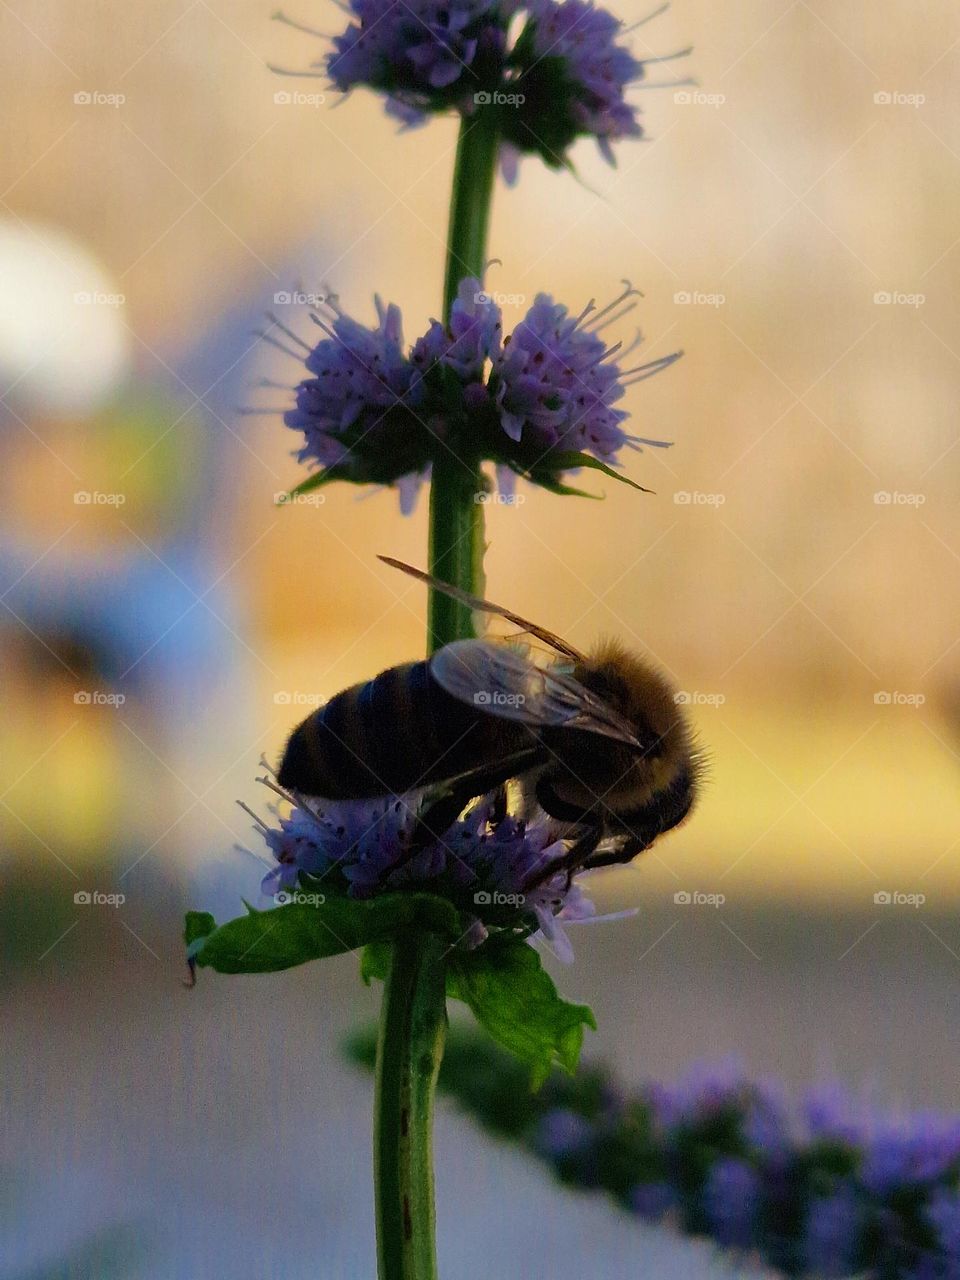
(388, 735)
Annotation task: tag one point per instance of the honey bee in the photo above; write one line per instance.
(598, 740)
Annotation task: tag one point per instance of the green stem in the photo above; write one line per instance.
(413, 1018)
(413, 1024)
(456, 512)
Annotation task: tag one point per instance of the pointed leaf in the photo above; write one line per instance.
(568, 461)
(267, 941)
(505, 985)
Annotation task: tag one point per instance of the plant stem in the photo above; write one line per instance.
(456, 513)
(413, 1024)
(413, 1018)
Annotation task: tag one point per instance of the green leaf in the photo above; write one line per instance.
(567, 461)
(374, 961)
(196, 927)
(511, 996)
(315, 481)
(268, 941)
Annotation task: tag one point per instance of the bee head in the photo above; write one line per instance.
(663, 773)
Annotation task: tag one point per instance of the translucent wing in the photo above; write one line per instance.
(557, 644)
(502, 682)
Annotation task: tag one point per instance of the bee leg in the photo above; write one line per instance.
(577, 856)
(498, 810)
(626, 853)
(435, 820)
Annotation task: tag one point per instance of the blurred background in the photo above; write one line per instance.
(793, 224)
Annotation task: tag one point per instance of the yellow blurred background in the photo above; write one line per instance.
(792, 223)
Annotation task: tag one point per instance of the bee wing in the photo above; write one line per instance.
(557, 644)
(501, 682)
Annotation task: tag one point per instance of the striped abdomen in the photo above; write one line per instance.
(392, 734)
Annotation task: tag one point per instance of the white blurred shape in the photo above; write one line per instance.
(64, 347)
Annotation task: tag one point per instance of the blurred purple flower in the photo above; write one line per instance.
(562, 1133)
(832, 1233)
(731, 1199)
(556, 75)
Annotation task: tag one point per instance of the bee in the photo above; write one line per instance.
(598, 739)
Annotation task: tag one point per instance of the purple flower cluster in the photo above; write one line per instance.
(573, 78)
(564, 76)
(531, 402)
(497, 869)
(832, 1191)
(425, 55)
